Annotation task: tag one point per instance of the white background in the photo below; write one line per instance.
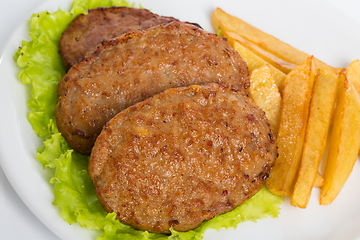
(16, 220)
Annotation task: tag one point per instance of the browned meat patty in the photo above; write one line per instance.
(181, 157)
(135, 66)
(87, 31)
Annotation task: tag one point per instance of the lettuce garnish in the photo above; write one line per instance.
(41, 69)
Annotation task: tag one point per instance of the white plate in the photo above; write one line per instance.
(312, 26)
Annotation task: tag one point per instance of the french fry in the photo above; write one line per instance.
(353, 74)
(294, 114)
(253, 61)
(344, 142)
(321, 109)
(266, 95)
(227, 23)
(279, 63)
(293, 165)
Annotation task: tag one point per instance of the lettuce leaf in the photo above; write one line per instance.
(74, 194)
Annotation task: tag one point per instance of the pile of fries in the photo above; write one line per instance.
(314, 110)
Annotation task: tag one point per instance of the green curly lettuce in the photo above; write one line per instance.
(74, 194)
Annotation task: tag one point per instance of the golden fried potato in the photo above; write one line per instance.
(295, 103)
(266, 94)
(227, 23)
(321, 109)
(253, 61)
(279, 63)
(353, 74)
(344, 142)
(258, 48)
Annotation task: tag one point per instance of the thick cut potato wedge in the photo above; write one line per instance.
(295, 104)
(344, 142)
(266, 95)
(253, 61)
(353, 74)
(227, 23)
(321, 109)
(279, 63)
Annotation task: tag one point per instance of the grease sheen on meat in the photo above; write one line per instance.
(135, 66)
(87, 31)
(181, 157)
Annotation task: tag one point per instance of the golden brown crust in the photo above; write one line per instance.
(135, 66)
(181, 157)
